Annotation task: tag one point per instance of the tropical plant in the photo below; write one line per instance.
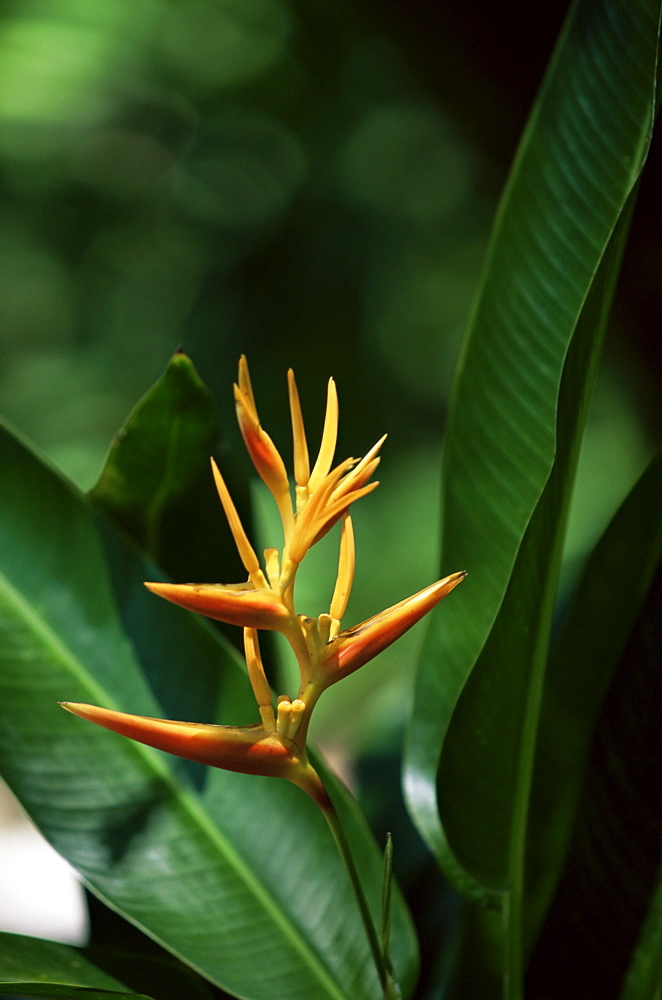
(531, 760)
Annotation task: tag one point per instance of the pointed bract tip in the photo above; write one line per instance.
(246, 749)
(355, 646)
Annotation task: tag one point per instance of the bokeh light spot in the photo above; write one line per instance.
(226, 42)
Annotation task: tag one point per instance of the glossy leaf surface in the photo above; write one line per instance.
(156, 483)
(604, 918)
(239, 878)
(578, 163)
(157, 455)
(502, 709)
(519, 409)
(607, 600)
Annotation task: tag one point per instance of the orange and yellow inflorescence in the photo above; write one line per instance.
(325, 654)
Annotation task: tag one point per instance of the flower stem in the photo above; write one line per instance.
(389, 987)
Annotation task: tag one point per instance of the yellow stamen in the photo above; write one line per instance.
(324, 625)
(273, 567)
(297, 708)
(256, 674)
(310, 633)
(284, 715)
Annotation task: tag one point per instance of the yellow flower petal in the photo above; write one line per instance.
(301, 460)
(346, 567)
(329, 438)
(244, 547)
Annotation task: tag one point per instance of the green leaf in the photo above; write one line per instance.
(157, 485)
(387, 882)
(30, 967)
(392, 986)
(501, 702)
(518, 409)
(607, 600)
(159, 453)
(579, 160)
(241, 879)
(605, 906)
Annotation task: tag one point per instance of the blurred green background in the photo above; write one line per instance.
(309, 183)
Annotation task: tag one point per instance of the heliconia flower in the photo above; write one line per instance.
(245, 749)
(276, 747)
(355, 646)
(323, 495)
(235, 604)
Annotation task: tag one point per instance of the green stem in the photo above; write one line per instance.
(389, 988)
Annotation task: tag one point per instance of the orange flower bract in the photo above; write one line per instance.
(276, 747)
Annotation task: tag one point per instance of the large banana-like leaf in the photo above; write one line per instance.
(579, 160)
(596, 627)
(239, 877)
(604, 919)
(501, 709)
(511, 449)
